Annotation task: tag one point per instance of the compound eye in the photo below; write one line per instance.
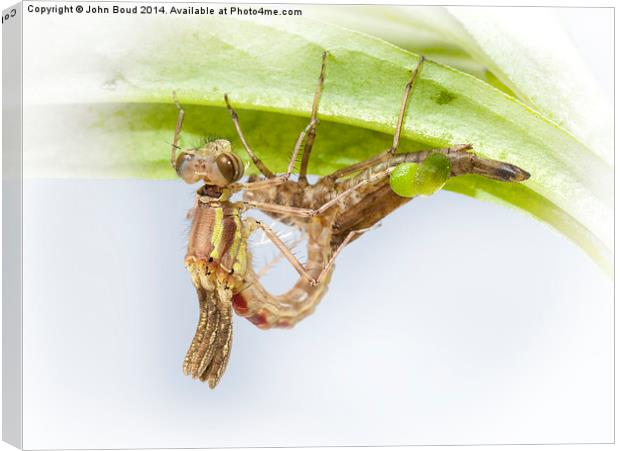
(230, 166)
(186, 169)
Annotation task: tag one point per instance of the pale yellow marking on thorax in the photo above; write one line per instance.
(216, 236)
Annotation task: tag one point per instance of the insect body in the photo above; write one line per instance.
(342, 206)
(333, 212)
(216, 255)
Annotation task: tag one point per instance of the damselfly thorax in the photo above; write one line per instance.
(217, 240)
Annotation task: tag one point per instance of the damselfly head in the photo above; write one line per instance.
(214, 163)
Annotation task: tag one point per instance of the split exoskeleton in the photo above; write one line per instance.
(331, 213)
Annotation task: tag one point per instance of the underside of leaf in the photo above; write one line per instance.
(270, 68)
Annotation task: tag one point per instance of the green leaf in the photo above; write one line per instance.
(270, 69)
(522, 51)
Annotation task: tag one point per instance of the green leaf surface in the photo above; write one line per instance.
(522, 51)
(270, 68)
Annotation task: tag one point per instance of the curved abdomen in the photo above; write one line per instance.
(266, 310)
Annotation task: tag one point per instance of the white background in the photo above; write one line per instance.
(481, 348)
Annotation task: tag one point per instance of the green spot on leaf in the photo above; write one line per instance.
(444, 97)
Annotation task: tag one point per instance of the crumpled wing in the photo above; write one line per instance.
(207, 356)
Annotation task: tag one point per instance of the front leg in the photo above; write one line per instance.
(177, 132)
(258, 184)
(274, 180)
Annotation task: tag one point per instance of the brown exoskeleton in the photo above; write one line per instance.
(337, 209)
(331, 213)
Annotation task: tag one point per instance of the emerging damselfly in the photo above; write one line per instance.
(331, 213)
